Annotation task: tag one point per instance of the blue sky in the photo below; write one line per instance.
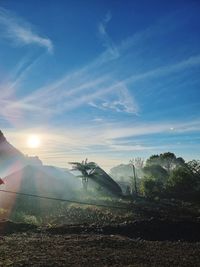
(107, 80)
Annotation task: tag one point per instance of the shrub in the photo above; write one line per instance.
(25, 218)
(151, 187)
(183, 184)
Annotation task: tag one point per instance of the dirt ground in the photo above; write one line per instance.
(43, 249)
(144, 242)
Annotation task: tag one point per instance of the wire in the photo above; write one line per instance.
(64, 200)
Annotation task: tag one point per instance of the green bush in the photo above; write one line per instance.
(151, 187)
(25, 218)
(183, 184)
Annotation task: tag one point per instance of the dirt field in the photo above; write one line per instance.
(149, 242)
(38, 249)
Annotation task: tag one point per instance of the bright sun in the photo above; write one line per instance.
(33, 141)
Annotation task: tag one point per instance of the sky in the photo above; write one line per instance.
(107, 80)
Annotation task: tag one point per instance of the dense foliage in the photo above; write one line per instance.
(166, 176)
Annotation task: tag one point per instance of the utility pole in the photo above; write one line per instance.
(134, 176)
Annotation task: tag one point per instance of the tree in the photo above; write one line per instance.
(172, 176)
(194, 167)
(167, 160)
(182, 183)
(154, 159)
(139, 162)
(154, 181)
(157, 172)
(151, 187)
(85, 169)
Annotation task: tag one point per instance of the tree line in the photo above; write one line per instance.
(161, 176)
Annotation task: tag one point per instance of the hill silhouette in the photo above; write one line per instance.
(11, 159)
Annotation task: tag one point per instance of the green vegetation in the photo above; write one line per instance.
(66, 213)
(166, 176)
(163, 176)
(26, 218)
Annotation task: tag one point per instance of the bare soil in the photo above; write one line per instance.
(39, 249)
(91, 245)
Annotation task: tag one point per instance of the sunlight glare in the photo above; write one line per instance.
(33, 141)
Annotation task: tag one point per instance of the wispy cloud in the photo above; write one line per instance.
(21, 32)
(107, 42)
(93, 141)
(120, 101)
(98, 84)
(11, 108)
(105, 135)
(123, 131)
(84, 87)
(167, 69)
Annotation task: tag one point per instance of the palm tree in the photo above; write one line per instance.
(90, 170)
(86, 170)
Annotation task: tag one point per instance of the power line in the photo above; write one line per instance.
(64, 200)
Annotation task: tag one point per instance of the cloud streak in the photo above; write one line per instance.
(20, 32)
(103, 92)
(109, 140)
